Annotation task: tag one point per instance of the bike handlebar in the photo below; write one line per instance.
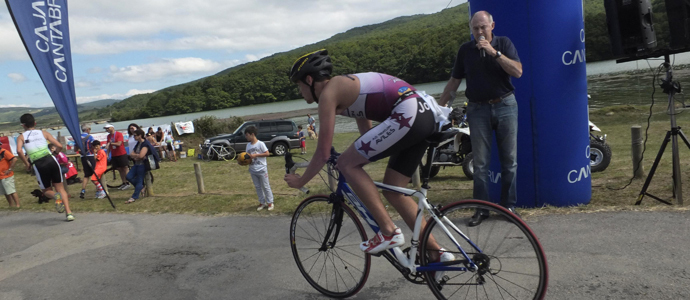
(291, 166)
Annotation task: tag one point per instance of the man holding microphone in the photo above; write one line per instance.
(488, 63)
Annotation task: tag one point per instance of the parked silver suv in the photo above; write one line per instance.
(279, 136)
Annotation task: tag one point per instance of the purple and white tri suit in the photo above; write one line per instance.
(405, 116)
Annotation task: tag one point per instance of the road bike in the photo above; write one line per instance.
(499, 259)
(217, 152)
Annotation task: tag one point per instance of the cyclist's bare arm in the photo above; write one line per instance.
(363, 125)
(335, 97)
(327, 108)
(20, 152)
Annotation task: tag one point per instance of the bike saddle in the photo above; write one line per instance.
(439, 137)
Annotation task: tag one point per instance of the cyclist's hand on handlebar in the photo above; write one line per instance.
(293, 180)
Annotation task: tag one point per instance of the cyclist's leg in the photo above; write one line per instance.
(404, 131)
(399, 172)
(351, 164)
(406, 206)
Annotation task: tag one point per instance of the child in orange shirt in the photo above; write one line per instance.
(99, 168)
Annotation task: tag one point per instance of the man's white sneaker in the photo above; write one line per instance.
(100, 195)
(381, 242)
(270, 206)
(261, 206)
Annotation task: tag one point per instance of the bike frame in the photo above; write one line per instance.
(212, 148)
(407, 261)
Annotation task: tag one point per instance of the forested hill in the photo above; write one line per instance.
(416, 48)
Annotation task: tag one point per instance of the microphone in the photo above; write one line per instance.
(482, 52)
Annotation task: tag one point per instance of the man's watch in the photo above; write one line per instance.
(498, 54)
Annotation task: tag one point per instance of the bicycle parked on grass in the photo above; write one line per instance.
(113, 180)
(498, 259)
(217, 152)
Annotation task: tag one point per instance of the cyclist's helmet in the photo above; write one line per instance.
(244, 159)
(317, 64)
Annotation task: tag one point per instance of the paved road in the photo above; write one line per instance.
(621, 255)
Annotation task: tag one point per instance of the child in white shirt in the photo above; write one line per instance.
(258, 168)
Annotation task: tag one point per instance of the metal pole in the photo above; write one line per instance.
(677, 184)
(416, 182)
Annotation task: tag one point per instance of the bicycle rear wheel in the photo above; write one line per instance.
(112, 178)
(512, 264)
(336, 268)
(227, 153)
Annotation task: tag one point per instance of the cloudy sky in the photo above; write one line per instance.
(126, 47)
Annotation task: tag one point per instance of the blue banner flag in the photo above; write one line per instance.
(44, 30)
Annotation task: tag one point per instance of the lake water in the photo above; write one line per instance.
(626, 90)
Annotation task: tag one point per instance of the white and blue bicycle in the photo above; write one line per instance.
(499, 259)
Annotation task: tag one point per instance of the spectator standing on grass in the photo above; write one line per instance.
(312, 122)
(170, 149)
(118, 154)
(488, 63)
(47, 169)
(302, 140)
(258, 168)
(88, 160)
(7, 161)
(139, 154)
(99, 168)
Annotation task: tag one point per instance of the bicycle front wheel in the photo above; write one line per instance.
(511, 262)
(325, 242)
(206, 155)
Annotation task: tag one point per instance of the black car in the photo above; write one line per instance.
(279, 136)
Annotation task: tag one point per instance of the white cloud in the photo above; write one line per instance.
(16, 77)
(255, 57)
(174, 41)
(11, 47)
(164, 68)
(113, 96)
(83, 84)
(137, 92)
(14, 105)
(229, 25)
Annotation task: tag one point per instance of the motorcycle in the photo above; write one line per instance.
(599, 151)
(455, 151)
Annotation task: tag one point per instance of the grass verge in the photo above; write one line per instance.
(229, 189)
